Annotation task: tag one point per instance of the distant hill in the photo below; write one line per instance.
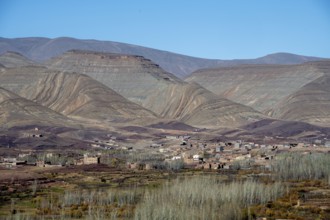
(41, 49)
(14, 59)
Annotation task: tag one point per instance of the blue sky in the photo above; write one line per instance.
(222, 29)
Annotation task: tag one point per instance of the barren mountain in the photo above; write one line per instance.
(18, 111)
(41, 49)
(13, 59)
(71, 94)
(258, 86)
(145, 83)
(295, 92)
(311, 103)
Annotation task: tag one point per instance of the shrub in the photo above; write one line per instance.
(297, 166)
(205, 198)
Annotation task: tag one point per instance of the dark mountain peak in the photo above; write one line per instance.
(104, 55)
(92, 62)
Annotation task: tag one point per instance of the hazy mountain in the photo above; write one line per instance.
(13, 59)
(145, 83)
(41, 49)
(276, 58)
(289, 92)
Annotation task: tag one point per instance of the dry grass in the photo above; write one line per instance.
(298, 166)
(205, 198)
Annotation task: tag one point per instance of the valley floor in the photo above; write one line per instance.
(110, 192)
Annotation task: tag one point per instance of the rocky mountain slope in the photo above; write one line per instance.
(71, 94)
(145, 83)
(281, 91)
(17, 111)
(41, 49)
(311, 103)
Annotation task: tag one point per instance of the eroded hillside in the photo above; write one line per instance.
(17, 111)
(311, 103)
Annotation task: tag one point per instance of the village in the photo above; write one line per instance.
(112, 165)
(169, 152)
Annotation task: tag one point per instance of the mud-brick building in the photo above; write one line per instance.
(91, 160)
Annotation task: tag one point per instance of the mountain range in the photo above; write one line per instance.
(80, 88)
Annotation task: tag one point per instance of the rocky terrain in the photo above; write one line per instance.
(17, 111)
(41, 49)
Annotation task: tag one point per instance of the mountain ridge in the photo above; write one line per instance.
(41, 49)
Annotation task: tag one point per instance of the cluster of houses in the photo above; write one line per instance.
(223, 155)
(10, 162)
(48, 160)
(175, 151)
